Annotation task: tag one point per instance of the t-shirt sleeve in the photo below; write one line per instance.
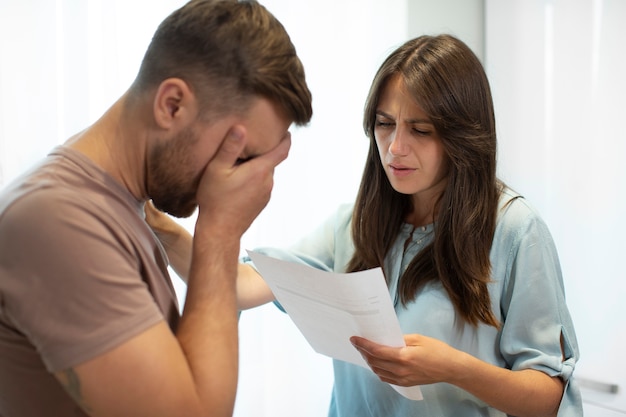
(75, 287)
(537, 331)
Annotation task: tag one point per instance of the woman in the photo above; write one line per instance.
(470, 265)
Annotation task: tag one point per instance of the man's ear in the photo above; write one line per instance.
(174, 103)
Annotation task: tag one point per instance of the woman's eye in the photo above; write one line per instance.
(421, 132)
(380, 123)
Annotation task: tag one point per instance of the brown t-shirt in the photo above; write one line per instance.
(80, 273)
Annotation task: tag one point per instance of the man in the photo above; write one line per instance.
(89, 323)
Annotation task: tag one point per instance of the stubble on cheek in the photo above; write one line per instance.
(170, 181)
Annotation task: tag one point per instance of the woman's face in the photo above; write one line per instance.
(410, 148)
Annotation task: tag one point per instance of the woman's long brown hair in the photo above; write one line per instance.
(448, 81)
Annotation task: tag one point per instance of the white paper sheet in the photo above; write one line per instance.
(328, 308)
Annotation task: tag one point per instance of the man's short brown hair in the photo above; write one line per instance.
(227, 51)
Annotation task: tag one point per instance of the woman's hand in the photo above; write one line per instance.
(425, 360)
(176, 240)
(422, 361)
(166, 229)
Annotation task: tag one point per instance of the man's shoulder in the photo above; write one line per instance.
(47, 208)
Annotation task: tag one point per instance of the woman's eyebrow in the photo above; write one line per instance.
(410, 121)
(419, 121)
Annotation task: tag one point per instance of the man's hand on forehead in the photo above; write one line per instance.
(245, 158)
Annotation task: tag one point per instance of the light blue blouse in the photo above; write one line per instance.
(527, 296)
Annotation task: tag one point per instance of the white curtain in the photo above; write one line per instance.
(557, 69)
(62, 63)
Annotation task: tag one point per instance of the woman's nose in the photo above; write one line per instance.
(398, 146)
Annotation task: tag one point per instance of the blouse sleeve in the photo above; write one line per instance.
(537, 330)
(327, 248)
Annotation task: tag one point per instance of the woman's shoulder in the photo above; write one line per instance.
(514, 205)
(516, 214)
(343, 213)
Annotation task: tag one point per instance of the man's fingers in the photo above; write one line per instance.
(279, 153)
(231, 148)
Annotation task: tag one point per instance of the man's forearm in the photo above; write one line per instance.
(208, 329)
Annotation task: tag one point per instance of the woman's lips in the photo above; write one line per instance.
(400, 170)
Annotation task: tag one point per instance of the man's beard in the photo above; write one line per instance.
(170, 181)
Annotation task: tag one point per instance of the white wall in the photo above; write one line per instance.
(557, 71)
(464, 19)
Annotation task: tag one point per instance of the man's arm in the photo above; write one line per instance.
(252, 290)
(194, 372)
